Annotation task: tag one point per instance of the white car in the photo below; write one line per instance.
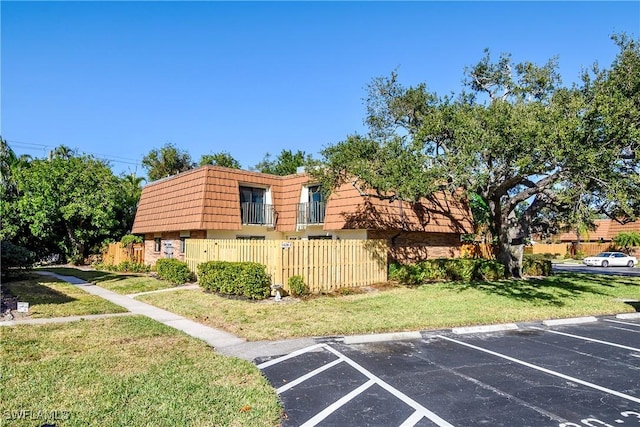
(613, 259)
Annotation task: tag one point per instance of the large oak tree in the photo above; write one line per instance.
(522, 144)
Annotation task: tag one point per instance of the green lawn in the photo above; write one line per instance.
(126, 371)
(49, 297)
(122, 283)
(400, 308)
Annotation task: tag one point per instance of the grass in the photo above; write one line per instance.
(401, 308)
(122, 283)
(126, 371)
(49, 297)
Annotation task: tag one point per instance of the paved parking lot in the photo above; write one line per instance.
(581, 374)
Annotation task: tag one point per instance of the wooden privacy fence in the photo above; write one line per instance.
(544, 248)
(115, 254)
(481, 250)
(587, 248)
(325, 265)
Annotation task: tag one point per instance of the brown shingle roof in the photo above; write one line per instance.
(348, 209)
(207, 198)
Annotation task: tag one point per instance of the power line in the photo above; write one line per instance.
(45, 148)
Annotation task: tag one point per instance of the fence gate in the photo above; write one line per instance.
(325, 265)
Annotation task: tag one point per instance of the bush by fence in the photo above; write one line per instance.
(247, 279)
(462, 269)
(124, 267)
(297, 287)
(536, 265)
(173, 270)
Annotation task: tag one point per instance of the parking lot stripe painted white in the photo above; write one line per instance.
(589, 339)
(336, 405)
(545, 370)
(397, 393)
(307, 376)
(626, 329)
(412, 420)
(637, 325)
(482, 329)
(289, 356)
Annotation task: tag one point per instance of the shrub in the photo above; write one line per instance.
(490, 270)
(536, 265)
(123, 267)
(247, 279)
(297, 287)
(462, 269)
(14, 257)
(173, 270)
(579, 255)
(129, 240)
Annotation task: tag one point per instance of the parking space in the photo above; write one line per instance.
(565, 375)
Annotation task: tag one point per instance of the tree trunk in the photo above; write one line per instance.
(510, 240)
(510, 255)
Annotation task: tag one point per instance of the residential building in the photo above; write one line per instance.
(213, 202)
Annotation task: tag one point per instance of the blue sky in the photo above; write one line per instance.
(117, 79)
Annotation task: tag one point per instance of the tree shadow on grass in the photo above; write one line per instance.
(551, 291)
(93, 276)
(36, 293)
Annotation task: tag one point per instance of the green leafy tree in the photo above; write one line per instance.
(220, 159)
(68, 203)
(286, 163)
(514, 137)
(166, 161)
(627, 240)
(132, 190)
(9, 164)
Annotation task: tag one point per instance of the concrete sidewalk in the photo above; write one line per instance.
(213, 337)
(224, 342)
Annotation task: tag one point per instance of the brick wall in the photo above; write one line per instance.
(409, 247)
(151, 255)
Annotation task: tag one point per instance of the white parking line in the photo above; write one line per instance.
(420, 411)
(307, 376)
(336, 405)
(289, 356)
(397, 393)
(625, 329)
(637, 325)
(545, 370)
(588, 339)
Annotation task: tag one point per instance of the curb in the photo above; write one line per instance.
(486, 328)
(392, 336)
(570, 321)
(628, 316)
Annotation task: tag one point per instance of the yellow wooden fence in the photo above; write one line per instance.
(115, 254)
(587, 248)
(325, 265)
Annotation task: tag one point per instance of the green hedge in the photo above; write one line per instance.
(123, 267)
(459, 269)
(247, 279)
(173, 270)
(297, 287)
(536, 265)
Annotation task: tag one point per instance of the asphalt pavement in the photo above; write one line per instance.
(585, 373)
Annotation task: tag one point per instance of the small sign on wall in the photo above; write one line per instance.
(285, 245)
(23, 307)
